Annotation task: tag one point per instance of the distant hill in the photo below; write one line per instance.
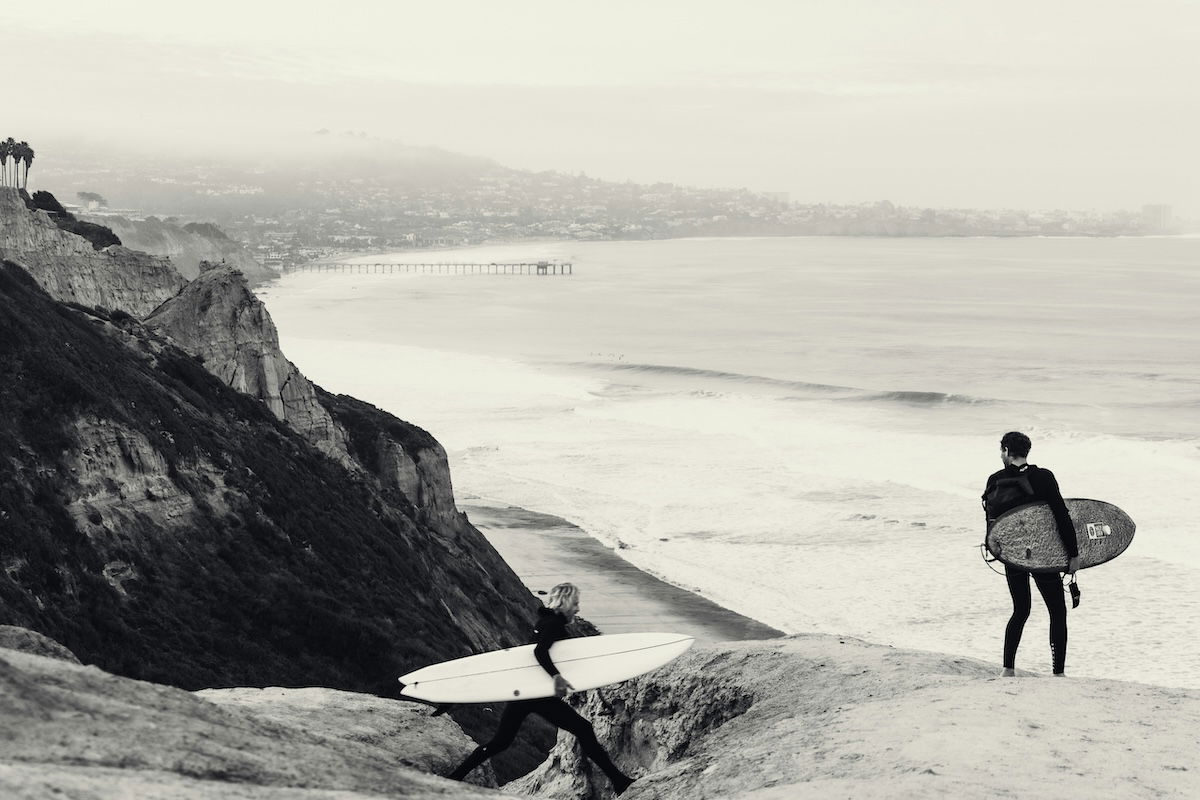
(292, 174)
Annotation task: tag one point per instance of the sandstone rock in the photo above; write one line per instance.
(27, 641)
(826, 716)
(77, 731)
(217, 318)
(404, 731)
(401, 456)
(67, 266)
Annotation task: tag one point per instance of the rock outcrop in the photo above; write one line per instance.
(187, 246)
(402, 456)
(219, 320)
(74, 731)
(823, 716)
(71, 270)
(27, 641)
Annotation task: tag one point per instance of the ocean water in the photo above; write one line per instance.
(800, 428)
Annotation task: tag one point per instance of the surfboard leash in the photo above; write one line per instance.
(983, 552)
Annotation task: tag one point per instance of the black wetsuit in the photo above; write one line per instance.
(551, 627)
(1016, 486)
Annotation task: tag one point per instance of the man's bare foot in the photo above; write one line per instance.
(1008, 673)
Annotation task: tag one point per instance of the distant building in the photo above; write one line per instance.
(1157, 219)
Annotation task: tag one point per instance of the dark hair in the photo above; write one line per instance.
(1018, 444)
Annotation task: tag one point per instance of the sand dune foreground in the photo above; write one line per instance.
(805, 716)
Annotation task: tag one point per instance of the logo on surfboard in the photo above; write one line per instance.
(1098, 530)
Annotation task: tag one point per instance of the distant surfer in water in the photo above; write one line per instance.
(561, 606)
(1017, 484)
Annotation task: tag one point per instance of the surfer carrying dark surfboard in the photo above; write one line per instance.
(1017, 484)
(560, 608)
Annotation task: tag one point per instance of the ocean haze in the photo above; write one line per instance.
(1077, 105)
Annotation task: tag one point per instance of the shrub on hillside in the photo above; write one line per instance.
(48, 202)
(205, 229)
(100, 236)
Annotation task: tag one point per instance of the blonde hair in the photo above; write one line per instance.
(561, 595)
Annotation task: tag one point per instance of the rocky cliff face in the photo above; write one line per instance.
(401, 456)
(69, 268)
(68, 730)
(218, 319)
(187, 248)
(167, 527)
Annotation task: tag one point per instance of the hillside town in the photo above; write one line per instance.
(289, 216)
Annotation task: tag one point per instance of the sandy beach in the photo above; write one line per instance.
(617, 597)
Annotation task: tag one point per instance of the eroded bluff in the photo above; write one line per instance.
(71, 270)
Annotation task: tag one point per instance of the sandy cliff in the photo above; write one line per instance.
(70, 269)
(821, 716)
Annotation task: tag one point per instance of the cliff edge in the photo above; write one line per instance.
(71, 270)
(824, 716)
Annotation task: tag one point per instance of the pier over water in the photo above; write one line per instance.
(547, 268)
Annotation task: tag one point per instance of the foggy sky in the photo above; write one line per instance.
(950, 104)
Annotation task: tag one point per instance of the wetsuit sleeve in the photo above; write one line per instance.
(551, 628)
(1046, 488)
(987, 489)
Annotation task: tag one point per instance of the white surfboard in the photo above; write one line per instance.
(514, 674)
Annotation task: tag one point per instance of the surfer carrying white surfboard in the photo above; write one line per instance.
(1017, 484)
(560, 608)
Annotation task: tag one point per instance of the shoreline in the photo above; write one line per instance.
(617, 597)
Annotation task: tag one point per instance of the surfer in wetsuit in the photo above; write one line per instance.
(561, 606)
(1017, 484)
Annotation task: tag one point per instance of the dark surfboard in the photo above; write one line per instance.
(1027, 536)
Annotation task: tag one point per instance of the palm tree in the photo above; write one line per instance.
(16, 154)
(5, 149)
(10, 147)
(27, 157)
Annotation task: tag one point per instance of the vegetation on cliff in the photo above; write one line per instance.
(278, 567)
(20, 155)
(100, 236)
